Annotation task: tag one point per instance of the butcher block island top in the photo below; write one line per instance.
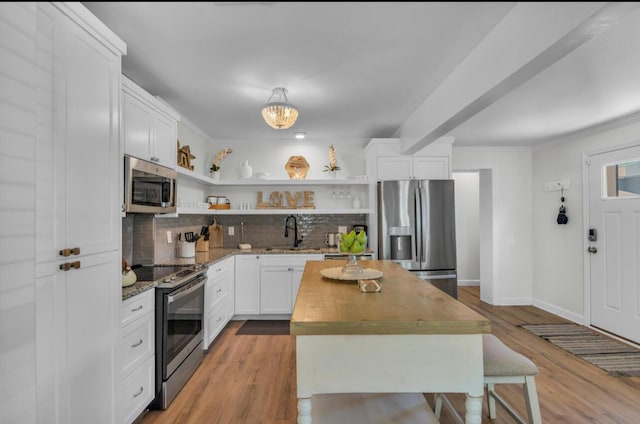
(406, 305)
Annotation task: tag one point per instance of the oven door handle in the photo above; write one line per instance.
(181, 294)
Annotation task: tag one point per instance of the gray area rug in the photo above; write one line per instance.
(617, 358)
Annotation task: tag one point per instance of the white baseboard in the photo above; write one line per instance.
(571, 316)
(468, 282)
(513, 301)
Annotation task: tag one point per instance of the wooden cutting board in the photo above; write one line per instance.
(215, 234)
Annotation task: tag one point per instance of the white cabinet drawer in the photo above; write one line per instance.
(216, 320)
(137, 306)
(138, 343)
(137, 390)
(221, 267)
(216, 291)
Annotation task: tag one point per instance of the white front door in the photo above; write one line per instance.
(614, 214)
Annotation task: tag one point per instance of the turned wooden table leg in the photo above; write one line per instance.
(473, 410)
(304, 411)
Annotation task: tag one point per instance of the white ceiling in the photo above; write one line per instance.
(357, 70)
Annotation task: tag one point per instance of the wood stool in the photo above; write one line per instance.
(502, 366)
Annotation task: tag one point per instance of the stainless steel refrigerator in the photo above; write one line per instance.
(416, 229)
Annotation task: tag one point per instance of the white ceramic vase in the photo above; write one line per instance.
(246, 171)
(215, 175)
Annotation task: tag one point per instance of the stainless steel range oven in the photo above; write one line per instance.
(179, 327)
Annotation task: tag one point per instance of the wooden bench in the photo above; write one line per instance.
(502, 366)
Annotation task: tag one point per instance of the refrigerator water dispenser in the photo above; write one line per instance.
(400, 247)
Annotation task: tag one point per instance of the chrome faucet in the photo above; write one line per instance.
(296, 241)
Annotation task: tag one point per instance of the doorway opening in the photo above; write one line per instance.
(474, 230)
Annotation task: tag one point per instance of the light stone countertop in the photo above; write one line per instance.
(217, 254)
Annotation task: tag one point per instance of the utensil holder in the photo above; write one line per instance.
(187, 250)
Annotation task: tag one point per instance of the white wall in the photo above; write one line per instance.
(467, 225)
(558, 250)
(272, 156)
(198, 142)
(511, 170)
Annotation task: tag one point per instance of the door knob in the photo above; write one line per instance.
(592, 249)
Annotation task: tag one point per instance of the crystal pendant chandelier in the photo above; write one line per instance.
(278, 113)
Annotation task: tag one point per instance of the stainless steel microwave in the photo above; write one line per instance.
(148, 187)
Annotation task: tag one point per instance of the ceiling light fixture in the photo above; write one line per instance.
(278, 113)
(300, 135)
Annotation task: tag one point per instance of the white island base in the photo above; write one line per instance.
(407, 363)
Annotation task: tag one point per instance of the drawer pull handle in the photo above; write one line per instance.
(219, 269)
(137, 344)
(218, 291)
(68, 265)
(139, 392)
(69, 252)
(137, 309)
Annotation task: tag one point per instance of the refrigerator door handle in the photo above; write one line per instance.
(417, 201)
(424, 233)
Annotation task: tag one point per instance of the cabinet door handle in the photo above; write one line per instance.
(137, 309)
(219, 269)
(137, 344)
(139, 392)
(69, 252)
(219, 290)
(68, 265)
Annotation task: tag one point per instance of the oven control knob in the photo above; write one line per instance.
(173, 278)
(167, 280)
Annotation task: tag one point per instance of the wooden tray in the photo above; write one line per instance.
(337, 274)
(225, 206)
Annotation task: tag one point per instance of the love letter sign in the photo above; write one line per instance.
(288, 201)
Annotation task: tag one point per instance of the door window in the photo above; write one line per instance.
(622, 179)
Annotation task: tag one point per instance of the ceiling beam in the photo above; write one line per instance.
(530, 38)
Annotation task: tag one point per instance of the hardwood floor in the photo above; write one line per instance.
(251, 379)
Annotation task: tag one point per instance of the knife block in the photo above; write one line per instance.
(202, 245)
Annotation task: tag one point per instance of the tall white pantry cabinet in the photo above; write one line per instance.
(77, 216)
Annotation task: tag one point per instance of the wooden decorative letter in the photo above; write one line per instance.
(307, 199)
(292, 201)
(275, 200)
(185, 156)
(261, 204)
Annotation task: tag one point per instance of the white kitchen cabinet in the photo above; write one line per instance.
(218, 294)
(247, 285)
(279, 281)
(77, 216)
(413, 167)
(149, 127)
(137, 355)
(275, 289)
